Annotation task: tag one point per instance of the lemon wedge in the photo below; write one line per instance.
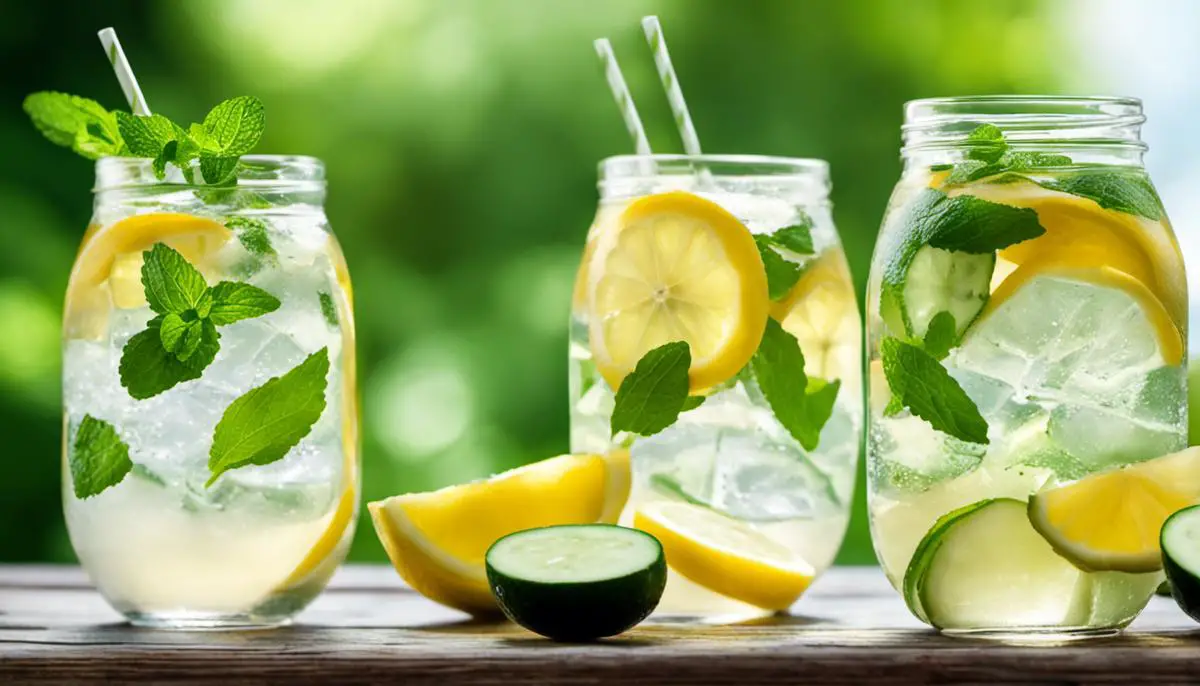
(725, 555)
(676, 267)
(437, 541)
(107, 272)
(1112, 520)
(822, 313)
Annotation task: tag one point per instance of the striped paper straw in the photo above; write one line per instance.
(670, 82)
(620, 91)
(129, 84)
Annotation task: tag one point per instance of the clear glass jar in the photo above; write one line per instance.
(748, 515)
(191, 499)
(1031, 221)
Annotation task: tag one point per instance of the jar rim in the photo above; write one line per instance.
(259, 172)
(633, 167)
(1035, 120)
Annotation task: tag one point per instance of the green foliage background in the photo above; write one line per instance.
(461, 138)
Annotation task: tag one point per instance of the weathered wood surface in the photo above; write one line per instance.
(367, 628)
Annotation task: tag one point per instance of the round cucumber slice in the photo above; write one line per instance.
(984, 567)
(933, 280)
(1180, 541)
(577, 582)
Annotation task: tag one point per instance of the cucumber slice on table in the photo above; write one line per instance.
(984, 567)
(933, 280)
(577, 582)
(1180, 541)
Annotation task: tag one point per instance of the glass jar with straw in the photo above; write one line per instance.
(210, 453)
(716, 334)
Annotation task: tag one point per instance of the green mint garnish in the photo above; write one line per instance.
(988, 154)
(986, 143)
(1113, 190)
(693, 401)
(234, 301)
(801, 405)
(328, 309)
(182, 340)
(77, 123)
(920, 383)
(99, 458)
(252, 234)
(782, 273)
(149, 368)
(261, 426)
(654, 393)
(230, 130)
(941, 335)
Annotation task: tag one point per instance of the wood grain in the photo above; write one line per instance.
(852, 628)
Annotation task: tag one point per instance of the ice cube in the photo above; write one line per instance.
(757, 479)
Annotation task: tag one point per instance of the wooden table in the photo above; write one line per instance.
(368, 628)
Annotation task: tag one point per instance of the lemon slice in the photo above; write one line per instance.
(676, 267)
(107, 272)
(437, 541)
(822, 313)
(725, 555)
(1094, 236)
(1112, 521)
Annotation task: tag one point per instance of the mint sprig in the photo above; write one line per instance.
(802, 405)
(179, 343)
(1111, 189)
(920, 383)
(782, 273)
(941, 335)
(231, 129)
(99, 458)
(265, 423)
(651, 397)
(77, 123)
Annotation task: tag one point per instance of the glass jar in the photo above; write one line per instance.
(210, 453)
(1026, 328)
(749, 490)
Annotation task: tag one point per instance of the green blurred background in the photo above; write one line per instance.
(461, 138)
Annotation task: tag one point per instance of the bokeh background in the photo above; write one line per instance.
(461, 138)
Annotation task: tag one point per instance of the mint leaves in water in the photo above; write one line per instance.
(654, 393)
(782, 274)
(920, 383)
(261, 426)
(230, 130)
(182, 340)
(801, 405)
(99, 458)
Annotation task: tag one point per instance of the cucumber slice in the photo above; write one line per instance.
(984, 567)
(933, 280)
(577, 582)
(1180, 541)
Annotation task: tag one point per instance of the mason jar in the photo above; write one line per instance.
(747, 482)
(1026, 329)
(210, 448)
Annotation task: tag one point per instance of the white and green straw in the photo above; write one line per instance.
(670, 82)
(129, 84)
(620, 91)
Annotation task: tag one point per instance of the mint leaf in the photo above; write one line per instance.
(146, 136)
(232, 128)
(181, 336)
(1024, 161)
(782, 274)
(692, 402)
(963, 223)
(328, 309)
(99, 458)
(940, 336)
(796, 238)
(218, 171)
(653, 394)
(922, 385)
(234, 301)
(147, 368)
(74, 122)
(172, 284)
(1113, 190)
(263, 425)
(252, 234)
(778, 367)
(986, 143)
